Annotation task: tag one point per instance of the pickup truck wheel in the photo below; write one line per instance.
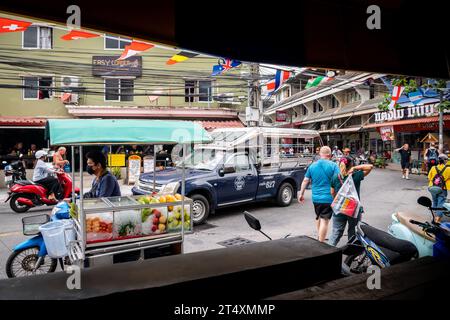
(200, 209)
(285, 194)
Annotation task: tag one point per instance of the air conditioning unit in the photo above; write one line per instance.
(69, 89)
(323, 127)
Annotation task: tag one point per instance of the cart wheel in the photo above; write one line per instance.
(200, 209)
(22, 262)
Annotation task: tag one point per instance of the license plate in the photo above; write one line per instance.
(8, 178)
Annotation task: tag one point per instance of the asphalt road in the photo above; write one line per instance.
(383, 192)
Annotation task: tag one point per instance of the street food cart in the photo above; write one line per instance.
(110, 228)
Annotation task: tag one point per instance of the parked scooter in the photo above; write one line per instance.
(30, 257)
(14, 172)
(369, 246)
(429, 237)
(26, 194)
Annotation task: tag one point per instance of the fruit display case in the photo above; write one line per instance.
(128, 219)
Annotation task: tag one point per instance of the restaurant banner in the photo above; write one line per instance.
(281, 116)
(110, 66)
(387, 133)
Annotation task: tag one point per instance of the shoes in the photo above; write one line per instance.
(403, 177)
(407, 178)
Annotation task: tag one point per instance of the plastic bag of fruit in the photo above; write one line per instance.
(99, 227)
(174, 220)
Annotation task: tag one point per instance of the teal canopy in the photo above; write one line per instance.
(121, 131)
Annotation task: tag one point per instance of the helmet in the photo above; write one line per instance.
(39, 154)
(443, 157)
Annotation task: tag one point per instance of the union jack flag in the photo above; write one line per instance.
(225, 65)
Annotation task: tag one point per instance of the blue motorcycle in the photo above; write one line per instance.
(30, 257)
(371, 246)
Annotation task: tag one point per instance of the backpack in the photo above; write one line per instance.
(433, 156)
(438, 181)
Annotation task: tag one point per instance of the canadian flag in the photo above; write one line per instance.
(133, 48)
(78, 34)
(9, 25)
(396, 93)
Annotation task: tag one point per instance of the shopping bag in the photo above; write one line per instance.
(347, 201)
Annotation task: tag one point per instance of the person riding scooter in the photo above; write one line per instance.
(44, 176)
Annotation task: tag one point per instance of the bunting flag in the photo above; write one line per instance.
(415, 97)
(134, 48)
(10, 25)
(78, 34)
(396, 94)
(314, 82)
(181, 56)
(280, 77)
(225, 65)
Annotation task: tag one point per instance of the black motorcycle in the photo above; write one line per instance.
(14, 172)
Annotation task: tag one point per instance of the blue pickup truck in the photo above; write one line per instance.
(221, 174)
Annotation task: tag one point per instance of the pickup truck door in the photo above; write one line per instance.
(238, 186)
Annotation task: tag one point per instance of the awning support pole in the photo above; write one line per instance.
(73, 173)
(441, 124)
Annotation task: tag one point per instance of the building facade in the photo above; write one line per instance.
(44, 76)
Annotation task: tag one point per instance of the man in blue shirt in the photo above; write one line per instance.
(320, 173)
(105, 184)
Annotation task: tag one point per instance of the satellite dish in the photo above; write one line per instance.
(331, 74)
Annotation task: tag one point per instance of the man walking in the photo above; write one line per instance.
(405, 155)
(431, 156)
(320, 173)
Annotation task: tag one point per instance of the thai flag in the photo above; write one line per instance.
(280, 77)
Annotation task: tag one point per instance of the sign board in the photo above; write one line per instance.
(387, 133)
(109, 66)
(251, 114)
(134, 168)
(281, 116)
(418, 111)
(148, 164)
(116, 160)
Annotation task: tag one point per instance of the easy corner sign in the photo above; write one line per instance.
(134, 168)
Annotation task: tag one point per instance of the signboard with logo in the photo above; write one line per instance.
(419, 111)
(110, 66)
(281, 116)
(148, 164)
(387, 133)
(134, 168)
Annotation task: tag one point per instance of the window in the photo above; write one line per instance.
(204, 91)
(371, 91)
(334, 102)
(189, 91)
(119, 89)
(37, 37)
(115, 43)
(239, 162)
(37, 88)
(352, 96)
(317, 107)
(304, 110)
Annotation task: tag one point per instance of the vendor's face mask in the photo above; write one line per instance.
(90, 169)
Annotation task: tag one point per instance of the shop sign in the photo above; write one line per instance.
(407, 113)
(387, 133)
(110, 66)
(281, 116)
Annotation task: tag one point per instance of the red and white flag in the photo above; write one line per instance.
(134, 48)
(396, 93)
(9, 25)
(78, 34)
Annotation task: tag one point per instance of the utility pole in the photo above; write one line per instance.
(254, 112)
(441, 123)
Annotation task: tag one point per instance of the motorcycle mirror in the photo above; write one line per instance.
(252, 221)
(424, 201)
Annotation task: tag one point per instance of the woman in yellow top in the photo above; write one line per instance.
(439, 190)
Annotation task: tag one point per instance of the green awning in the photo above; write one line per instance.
(121, 131)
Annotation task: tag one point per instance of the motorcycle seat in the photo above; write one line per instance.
(402, 250)
(28, 183)
(404, 217)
